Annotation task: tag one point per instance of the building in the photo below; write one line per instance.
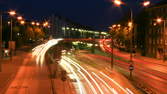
(61, 27)
(151, 36)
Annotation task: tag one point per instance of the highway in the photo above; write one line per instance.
(154, 75)
(33, 76)
(96, 81)
(30, 79)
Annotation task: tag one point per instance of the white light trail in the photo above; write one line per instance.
(74, 63)
(130, 92)
(40, 51)
(111, 89)
(115, 82)
(90, 84)
(80, 86)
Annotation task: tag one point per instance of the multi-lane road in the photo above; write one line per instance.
(92, 80)
(148, 72)
(33, 76)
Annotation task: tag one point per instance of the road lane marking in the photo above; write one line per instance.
(115, 83)
(111, 89)
(76, 76)
(74, 63)
(130, 92)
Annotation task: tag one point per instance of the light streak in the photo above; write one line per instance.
(91, 86)
(72, 62)
(63, 62)
(111, 89)
(40, 50)
(130, 92)
(115, 82)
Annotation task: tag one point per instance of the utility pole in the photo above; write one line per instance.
(112, 52)
(131, 25)
(164, 42)
(1, 54)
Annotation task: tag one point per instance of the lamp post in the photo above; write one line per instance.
(131, 25)
(11, 43)
(112, 30)
(112, 44)
(1, 54)
(11, 13)
(160, 20)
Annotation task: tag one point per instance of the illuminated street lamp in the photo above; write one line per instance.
(32, 23)
(22, 22)
(12, 13)
(130, 24)
(37, 23)
(45, 24)
(112, 29)
(19, 18)
(117, 2)
(146, 3)
(119, 25)
(159, 21)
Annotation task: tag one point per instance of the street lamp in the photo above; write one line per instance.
(37, 23)
(113, 29)
(22, 22)
(159, 21)
(45, 24)
(32, 23)
(1, 54)
(117, 2)
(11, 13)
(146, 3)
(11, 42)
(131, 25)
(19, 18)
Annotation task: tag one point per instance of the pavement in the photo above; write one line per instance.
(149, 72)
(100, 76)
(9, 69)
(21, 75)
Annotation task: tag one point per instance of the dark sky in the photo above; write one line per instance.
(95, 13)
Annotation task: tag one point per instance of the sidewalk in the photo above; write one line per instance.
(10, 68)
(59, 86)
(139, 57)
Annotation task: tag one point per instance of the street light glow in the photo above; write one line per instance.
(22, 22)
(130, 24)
(9, 22)
(12, 13)
(159, 20)
(37, 23)
(114, 25)
(146, 3)
(119, 25)
(32, 23)
(45, 24)
(117, 2)
(20, 18)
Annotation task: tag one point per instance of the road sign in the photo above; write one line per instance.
(131, 67)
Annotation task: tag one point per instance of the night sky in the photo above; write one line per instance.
(95, 13)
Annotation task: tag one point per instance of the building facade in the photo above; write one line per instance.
(61, 27)
(153, 34)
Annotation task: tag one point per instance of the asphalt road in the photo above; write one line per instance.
(153, 75)
(93, 80)
(30, 79)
